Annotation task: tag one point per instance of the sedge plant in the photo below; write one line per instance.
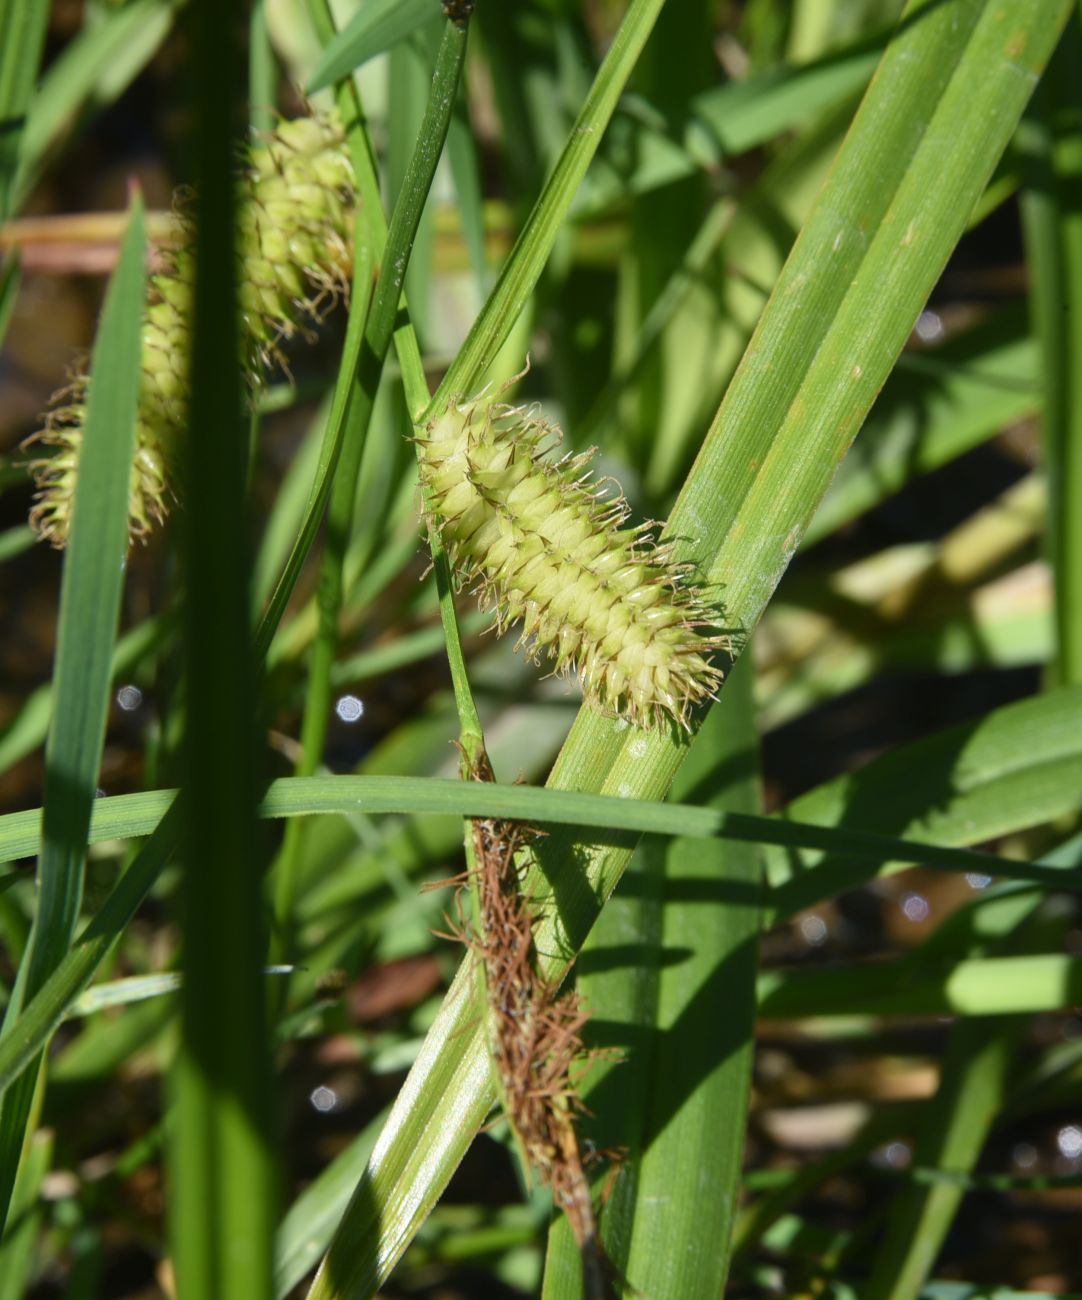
(712, 237)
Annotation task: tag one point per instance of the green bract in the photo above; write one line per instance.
(544, 544)
(295, 230)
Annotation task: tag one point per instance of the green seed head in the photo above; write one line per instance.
(294, 243)
(543, 545)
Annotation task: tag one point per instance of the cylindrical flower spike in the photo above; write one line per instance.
(293, 251)
(542, 544)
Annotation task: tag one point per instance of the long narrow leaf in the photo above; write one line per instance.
(22, 36)
(685, 1042)
(125, 816)
(89, 610)
(223, 1164)
(375, 27)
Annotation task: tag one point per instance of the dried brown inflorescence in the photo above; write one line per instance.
(534, 1033)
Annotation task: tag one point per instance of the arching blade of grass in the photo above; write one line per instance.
(1019, 766)
(91, 585)
(936, 119)
(125, 816)
(373, 28)
(667, 1215)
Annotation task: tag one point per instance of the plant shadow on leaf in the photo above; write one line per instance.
(892, 796)
(692, 889)
(644, 1048)
(627, 956)
(658, 1071)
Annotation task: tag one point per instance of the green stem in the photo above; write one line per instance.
(262, 70)
(317, 699)
(379, 330)
(1052, 223)
(418, 397)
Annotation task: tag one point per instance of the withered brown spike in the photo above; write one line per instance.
(536, 1033)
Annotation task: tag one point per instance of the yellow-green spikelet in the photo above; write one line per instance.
(293, 251)
(541, 544)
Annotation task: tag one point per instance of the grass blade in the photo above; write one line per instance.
(1020, 765)
(10, 275)
(375, 27)
(973, 1086)
(742, 114)
(223, 1165)
(977, 775)
(22, 36)
(667, 1216)
(625, 819)
(90, 592)
(27, 1217)
(985, 986)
